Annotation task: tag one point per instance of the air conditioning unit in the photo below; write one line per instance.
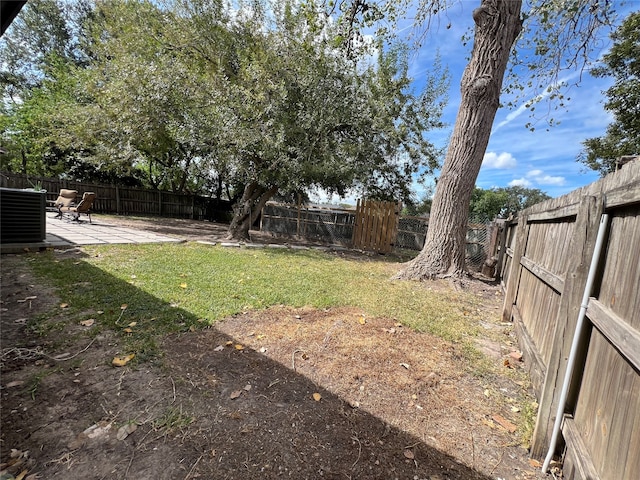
(22, 216)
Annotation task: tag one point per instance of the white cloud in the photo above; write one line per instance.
(520, 182)
(550, 180)
(540, 178)
(503, 160)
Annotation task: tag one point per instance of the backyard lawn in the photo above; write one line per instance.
(198, 361)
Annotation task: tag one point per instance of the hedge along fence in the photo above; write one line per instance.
(551, 251)
(335, 225)
(128, 200)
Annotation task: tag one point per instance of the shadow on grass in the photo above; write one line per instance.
(205, 406)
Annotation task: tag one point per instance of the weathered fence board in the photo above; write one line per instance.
(376, 225)
(545, 276)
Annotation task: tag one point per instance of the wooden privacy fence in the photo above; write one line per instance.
(550, 251)
(376, 226)
(127, 200)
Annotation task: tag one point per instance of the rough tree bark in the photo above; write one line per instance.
(247, 209)
(497, 25)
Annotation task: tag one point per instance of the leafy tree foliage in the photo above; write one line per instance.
(502, 202)
(198, 96)
(623, 100)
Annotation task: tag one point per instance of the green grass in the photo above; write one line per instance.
(175, 287)
(172, 419)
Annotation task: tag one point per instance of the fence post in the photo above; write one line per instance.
(298, 224)
(522, 236)
(502, 246)
(117, 200)
(581, 250)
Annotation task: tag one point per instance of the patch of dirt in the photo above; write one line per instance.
(281, 393)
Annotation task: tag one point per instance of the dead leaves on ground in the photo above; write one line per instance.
(18, 464)
(236, 393)
(122, 360)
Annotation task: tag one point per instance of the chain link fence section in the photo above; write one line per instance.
(412, 232)
(335, 226)
(326, 225)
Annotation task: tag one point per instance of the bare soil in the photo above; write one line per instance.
(280, 393)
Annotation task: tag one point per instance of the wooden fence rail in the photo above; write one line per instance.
(548, 254)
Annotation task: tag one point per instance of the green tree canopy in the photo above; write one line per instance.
(502, 202)
(193, 95)
(622, 63)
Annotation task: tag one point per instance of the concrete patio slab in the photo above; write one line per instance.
(63, 233)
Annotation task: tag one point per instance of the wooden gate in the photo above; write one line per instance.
(376, 225)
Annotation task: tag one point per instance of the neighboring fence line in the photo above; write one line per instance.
(332, 224)
(127, 200)
(549, 251)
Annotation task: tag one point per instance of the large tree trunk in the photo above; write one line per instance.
(498, 24)
(247, 209)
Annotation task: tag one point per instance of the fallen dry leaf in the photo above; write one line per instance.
(88, 322)
(534, 463)
(122, 361)
(123, 306)
(229, 343)
(183, 285)
(405, 365)
(235, 394)
(219, 348)
(409, 454)
(127, 330)
(239, 347)
(317, 397)
(362, 320)
(133, 324)
(504, 423)
(64, 305)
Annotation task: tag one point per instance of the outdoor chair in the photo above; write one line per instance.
(83, 208)
(66, 198)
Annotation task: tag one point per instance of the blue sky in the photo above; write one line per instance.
(543, 159)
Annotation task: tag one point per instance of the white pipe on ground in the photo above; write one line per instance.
(595, 260)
